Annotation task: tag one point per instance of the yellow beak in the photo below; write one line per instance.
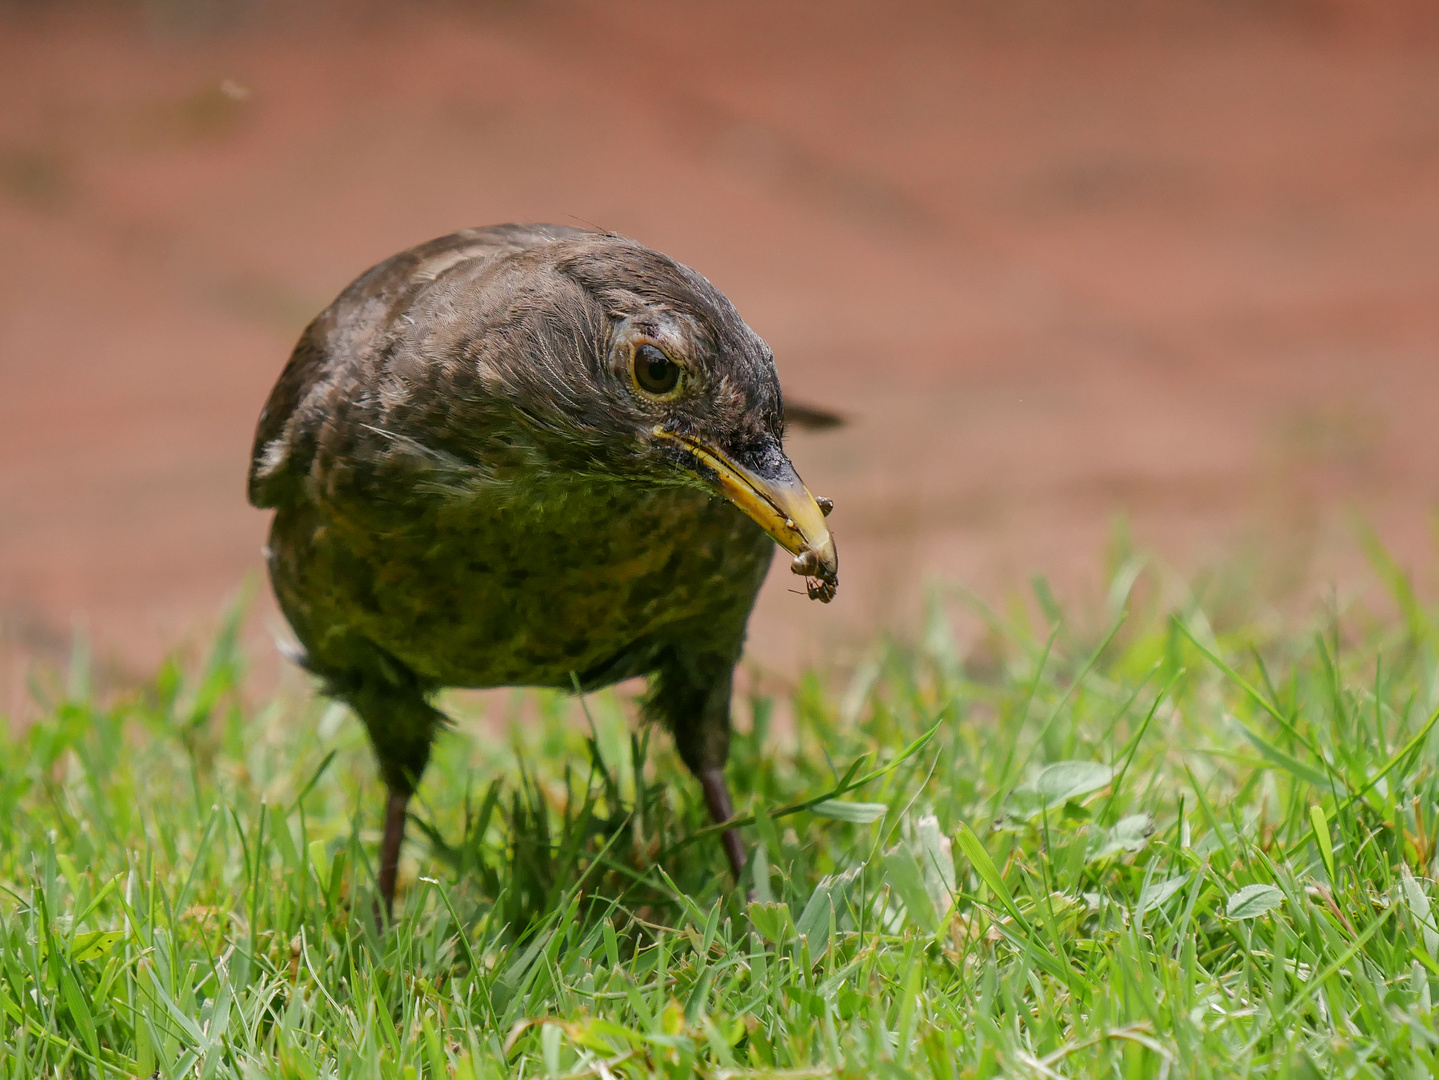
(782, 506)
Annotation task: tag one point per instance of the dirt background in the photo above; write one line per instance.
(1062, 265)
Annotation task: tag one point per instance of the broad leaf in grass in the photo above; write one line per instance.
(321, 865)
(601, 1035)
(1024, 803)
(1253, 901)
(672, 1020)
(96, 944)
(773, 921)
(1226, 836)
(904, 876)
(1129, 834)
(857, 813)
(1420, 909)
(813, 924)
(1065, 780)
(1156, 893)
(759, 870)
(828, 898)
(936, 857)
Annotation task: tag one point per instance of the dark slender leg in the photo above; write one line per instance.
(390, 701)
(722, 809)
(390, 849)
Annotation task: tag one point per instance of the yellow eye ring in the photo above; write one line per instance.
(654, 374)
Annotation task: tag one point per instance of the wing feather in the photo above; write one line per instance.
(351, 332)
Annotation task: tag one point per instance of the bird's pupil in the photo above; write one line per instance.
(655, 372)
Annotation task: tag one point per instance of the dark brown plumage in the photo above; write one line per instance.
(497, 459)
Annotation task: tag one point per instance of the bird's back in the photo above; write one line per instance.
(329, 364)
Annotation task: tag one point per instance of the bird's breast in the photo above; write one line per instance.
(522, 591)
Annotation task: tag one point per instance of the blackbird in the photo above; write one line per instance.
(530, 455)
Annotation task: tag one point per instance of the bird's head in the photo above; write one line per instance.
(640, 368)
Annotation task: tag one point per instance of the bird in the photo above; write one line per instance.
(530, 455)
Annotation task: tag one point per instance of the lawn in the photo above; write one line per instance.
(1153, 840)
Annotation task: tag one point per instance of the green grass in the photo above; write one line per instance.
(1170, 844)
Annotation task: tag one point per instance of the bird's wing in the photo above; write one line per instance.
(345, 337)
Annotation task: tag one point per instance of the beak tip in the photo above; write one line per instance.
(780, 504)
(818, 563)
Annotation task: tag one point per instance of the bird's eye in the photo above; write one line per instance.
(655, 373)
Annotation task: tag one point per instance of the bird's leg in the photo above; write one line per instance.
(722, 809)
(401, 723)
(395, 808)
(691, 694)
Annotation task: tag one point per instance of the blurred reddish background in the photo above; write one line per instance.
(1062, 264)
